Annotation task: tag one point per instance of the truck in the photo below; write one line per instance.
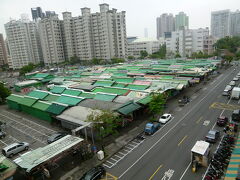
(151, 127)
(235, 93)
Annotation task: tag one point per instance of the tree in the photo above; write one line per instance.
(73, 60)
(177, 55)
(106, 122)
(143, 54)
(27, 68)
(157, 104)
(96, 61)
(131, 57)
(160, 54)
(4, 92)
(117, 60)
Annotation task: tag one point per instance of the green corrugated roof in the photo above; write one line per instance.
(104, 97)
(103, 83)
(124, 80)
(72, 101)
(15, 98)
(128, 108)
(145, 100)
(137, 87)
(111, 90)
(72, 92)
(57, 89)
(87, 95)
(38, 94)
(51, 98)
(121, 85)
(56, 108)
(41, 75)
(41, 105)
(28, 101)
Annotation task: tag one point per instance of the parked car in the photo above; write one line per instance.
(165, 118)
(232, 83)
(228, 87)
(56, 136)
(235, 79)
(222, 121)
(94, 173)
(226, 92)
(15, 148)
(151, 127)
(2, 134)
(236, 115)
(212, 136)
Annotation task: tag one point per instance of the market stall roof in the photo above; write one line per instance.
(77, 115)
(15, 98)
(122, 99)
(51, 97)
(56, 108)
(25, 83)
(98, 104)
(82, 86)
(28, 101)
(87, 95)
(32, 159)
(103, 83)
(111, 90)
(137, 87)
(10, 167)
(69, 100)
(105, 96)
(38, 94)
(57, 89)
(72, 92)
(128, 108)
(145, 100)
(200, 147)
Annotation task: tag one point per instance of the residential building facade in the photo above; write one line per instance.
(189, 41)
(51, 38)
(99, 35)
(37, 13)
(220, 23)
(136, 45)
(235, 23)
(181, 21)
(3, 51)
(165, 24)
(23, 43)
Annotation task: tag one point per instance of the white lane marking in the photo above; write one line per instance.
(41, 126)
(206, 123)
(193, 107)
(168, 174)
(185, 171)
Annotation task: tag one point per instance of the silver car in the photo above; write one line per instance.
(15, 148)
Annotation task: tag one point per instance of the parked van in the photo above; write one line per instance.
(236, 115)
(15, 148)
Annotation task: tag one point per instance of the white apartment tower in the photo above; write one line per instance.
(220, 23)
(235, 23)
(50, 30)
(95, 35)
(165, 23)
(23, 43)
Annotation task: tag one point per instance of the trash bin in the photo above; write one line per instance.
(100, 155)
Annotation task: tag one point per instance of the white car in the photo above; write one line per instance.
(165, 118)
(235, 79)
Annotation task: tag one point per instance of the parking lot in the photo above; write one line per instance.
(19, 129)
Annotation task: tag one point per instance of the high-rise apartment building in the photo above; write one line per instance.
(165, 24)
(37, 13)
(50, 13)
(187, 41)
(235, 23)
(23, 43)
(181, 21)
(3, 52)
(50, 31)
(220, 23)
(95, 35)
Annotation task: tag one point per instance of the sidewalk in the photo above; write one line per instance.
(121, 141)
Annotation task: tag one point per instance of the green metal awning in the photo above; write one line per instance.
(105, 97)
(87, 95)
(69, 100)
(40, 105)
(72, 92)
(57, 89)
(145, 100)
(28, 101)
(15, 98)
(111, 90)
(128, 108)
(51, 97)
(56, 108)
(104, 83)
(38, 94)
(137, 87)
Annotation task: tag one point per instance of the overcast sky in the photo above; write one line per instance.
(140, 14)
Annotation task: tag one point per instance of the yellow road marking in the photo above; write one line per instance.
(182, 140)
(218, 105)
(155, 172)
(199, 120)
(109, 177)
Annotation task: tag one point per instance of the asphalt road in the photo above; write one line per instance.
(166, 155)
